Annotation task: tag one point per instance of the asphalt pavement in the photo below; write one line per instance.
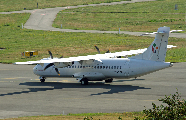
(22, 94)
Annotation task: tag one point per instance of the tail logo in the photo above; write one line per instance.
(154, 48)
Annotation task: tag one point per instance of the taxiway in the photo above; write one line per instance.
(22, 94)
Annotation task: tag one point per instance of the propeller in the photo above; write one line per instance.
(97, 49)
(52, 64)
(51, 56)
(57, 71)
(108, 51)
(49, 65)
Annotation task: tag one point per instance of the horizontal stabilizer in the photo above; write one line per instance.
(176, 31)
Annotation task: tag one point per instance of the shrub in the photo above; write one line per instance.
(174, 110)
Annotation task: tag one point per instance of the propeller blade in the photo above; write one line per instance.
(50, 64)
(57, 71)
(97, 49)
(108, 51)
(50, 54)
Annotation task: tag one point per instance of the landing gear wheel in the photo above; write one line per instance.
(108, 81)
(42, 80)
(84, 82)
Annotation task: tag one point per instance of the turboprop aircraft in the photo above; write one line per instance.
(107, 66)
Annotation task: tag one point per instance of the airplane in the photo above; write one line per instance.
(107, 66)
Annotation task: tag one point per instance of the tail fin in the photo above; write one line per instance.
(158, 48)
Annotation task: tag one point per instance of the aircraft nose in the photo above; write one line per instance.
(35, 70)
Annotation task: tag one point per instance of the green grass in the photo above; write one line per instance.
(86, 116)
(16, 40)
(144, 16)
(13, 5)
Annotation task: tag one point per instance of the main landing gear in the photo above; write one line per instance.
(42, 79)
(108, 80)
(84, 81)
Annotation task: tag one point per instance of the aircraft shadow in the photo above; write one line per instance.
(128, 80)
(59, 85)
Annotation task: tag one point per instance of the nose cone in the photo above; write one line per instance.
(35, 70)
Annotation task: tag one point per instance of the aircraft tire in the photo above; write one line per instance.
(108, 81)
(84, 82)
(42, 80)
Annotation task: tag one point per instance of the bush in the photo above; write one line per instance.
(174, 110)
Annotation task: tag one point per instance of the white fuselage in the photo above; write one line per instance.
(108, 68)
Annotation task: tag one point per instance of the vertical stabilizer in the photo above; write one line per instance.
(158, 48)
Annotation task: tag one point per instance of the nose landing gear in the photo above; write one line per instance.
(42, 79)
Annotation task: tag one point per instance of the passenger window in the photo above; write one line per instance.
(106, 67)
(97, 67)
(114, 67)
(103, 67)
(100, 67)
(80, 66)
(111, 67)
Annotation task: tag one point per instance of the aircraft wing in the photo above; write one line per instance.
(126, 53)
(87, 59)
(28, 63)
(171, 46)
(64, 61)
